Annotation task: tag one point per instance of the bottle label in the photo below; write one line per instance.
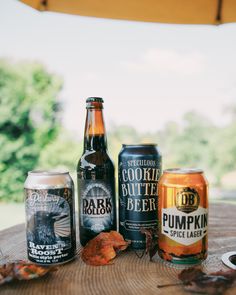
(50, 225)
(96, 204)
(186, 222)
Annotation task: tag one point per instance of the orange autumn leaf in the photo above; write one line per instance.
(103, 248)
(22, 270)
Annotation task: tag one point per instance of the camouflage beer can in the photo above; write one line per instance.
(183, 216)
(139, 172)
(50, 217)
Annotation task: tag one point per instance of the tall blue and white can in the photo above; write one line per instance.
(140, 167)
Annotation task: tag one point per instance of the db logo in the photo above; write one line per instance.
(187, 200)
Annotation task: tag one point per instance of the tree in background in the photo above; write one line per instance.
(119, 135)
(62, 153)
(195, 142)
(29, 121)
(190, 144)
(222, 154)
(31, 136)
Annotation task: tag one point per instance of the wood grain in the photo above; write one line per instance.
(129, 274)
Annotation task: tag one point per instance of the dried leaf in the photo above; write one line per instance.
(103, 248)
(151, 241)
(195, 280)
(230, 274)
(190, 274)
(22, 270)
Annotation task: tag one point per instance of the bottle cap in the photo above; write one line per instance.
(94, 99)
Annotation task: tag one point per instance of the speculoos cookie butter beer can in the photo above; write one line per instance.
(50, 217)
(139, 173)
(183, 216)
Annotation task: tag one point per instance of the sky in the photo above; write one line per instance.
(147, 73)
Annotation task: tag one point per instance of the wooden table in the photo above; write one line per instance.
(128, 274)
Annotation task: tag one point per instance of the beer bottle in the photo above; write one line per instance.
(96, 177)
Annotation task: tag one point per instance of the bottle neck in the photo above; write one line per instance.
(94, 133)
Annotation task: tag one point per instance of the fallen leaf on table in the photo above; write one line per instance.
(22, 270)
(103, 248)
(195, 280)
(151, 241)
(190, 274)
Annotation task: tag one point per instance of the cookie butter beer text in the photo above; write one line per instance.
(139, 172)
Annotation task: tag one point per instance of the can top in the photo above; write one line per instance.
(47, 172)
(184, 171)
(43, 179)
(140, 145)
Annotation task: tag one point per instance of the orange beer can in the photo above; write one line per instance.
(183, 216)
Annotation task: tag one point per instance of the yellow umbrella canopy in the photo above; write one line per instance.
(163, 11)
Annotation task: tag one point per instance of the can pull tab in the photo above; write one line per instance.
(229, 259)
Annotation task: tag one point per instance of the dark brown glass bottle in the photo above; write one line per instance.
(96, 177)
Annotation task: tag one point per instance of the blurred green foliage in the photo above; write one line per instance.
(195, 142)
(28, 122)
(62, 153)
(32, 137)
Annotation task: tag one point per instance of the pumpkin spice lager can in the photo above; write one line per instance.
(183, 216)
(139, 173)
(50, 217)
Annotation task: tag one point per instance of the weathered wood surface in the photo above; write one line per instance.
(129, 275)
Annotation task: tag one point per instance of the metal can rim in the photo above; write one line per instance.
(47, 172)
(184, 171)
(140, 145)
